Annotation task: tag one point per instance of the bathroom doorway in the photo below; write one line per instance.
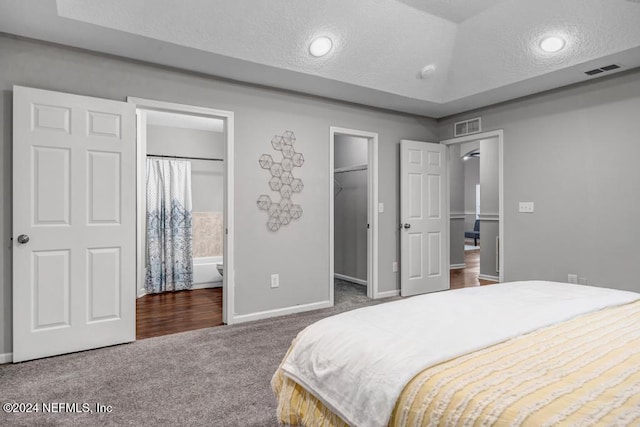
(183, 228)
(354, 212)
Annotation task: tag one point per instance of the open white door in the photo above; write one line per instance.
(74, 207)
(423, 243)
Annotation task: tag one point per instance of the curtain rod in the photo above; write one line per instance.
(184, 157)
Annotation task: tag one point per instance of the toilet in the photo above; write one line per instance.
(220, 268)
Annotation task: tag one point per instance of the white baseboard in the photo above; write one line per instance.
(387, 294)
(207, 285)
(6, 358)
(350, 279)
(280, 312)
(142, 292)
(487, 277)
(457, 266)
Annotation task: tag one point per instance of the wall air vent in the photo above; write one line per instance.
(467, 127)
(602, 69)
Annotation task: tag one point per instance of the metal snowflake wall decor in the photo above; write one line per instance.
(282, 182)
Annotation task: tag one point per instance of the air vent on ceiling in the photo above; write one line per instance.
(467, 127)
(602, 69)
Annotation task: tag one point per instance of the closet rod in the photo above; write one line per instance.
(183, 157)
(351, 169)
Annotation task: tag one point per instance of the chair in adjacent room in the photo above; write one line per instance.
(475, 234)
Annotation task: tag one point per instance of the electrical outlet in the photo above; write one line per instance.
(394, 267)
(572, 278)
(275, 280)
(525, 207)
(583, 281)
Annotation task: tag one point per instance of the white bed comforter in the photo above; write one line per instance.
(357, 363)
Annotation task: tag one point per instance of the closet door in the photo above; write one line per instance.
(73, 223)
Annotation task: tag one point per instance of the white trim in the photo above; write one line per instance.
(388, 294)
(456, 216)
(489, 217)
(331, 283)
(457, 266)
(228, 281)
(141, 150)
(488, 277)
(209, 285)
(281, 311)
(372, 211)
(6, 358)
(498, 254)
(350, 279)
(499, 134)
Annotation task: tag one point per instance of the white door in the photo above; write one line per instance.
(73, 223)
(424, 230)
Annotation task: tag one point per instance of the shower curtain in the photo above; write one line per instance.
(169, 263)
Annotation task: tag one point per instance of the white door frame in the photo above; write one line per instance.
(372, 210)
(228, 277)
(499, 134)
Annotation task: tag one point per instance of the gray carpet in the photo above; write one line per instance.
(216, 376)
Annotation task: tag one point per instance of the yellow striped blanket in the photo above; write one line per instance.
(582, 372)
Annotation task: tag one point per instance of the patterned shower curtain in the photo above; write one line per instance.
(169, 231)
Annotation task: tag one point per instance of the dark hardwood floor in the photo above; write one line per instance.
(172, 312)
(468, 276)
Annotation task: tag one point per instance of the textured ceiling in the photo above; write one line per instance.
(482, 51)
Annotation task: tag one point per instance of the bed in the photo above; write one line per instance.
(522, 353)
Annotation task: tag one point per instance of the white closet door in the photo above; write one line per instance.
(73, 223)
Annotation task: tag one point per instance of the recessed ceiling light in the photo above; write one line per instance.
(552, 44)
(320, 46)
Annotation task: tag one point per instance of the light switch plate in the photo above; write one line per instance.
(380, 207)
(275, 280)
(525, 207)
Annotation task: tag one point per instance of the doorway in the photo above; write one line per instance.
(353, 212)
(476, 209)
(184, 151)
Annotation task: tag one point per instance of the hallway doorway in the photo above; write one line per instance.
(468, 276)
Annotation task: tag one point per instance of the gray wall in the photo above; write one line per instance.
(456, 205)
(300, 251)
(206, 176)
(350, 208)
(574, 153)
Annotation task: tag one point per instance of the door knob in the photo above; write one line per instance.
(407, 226)
(23, 238)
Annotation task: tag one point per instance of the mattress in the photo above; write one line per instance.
(580, 371)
